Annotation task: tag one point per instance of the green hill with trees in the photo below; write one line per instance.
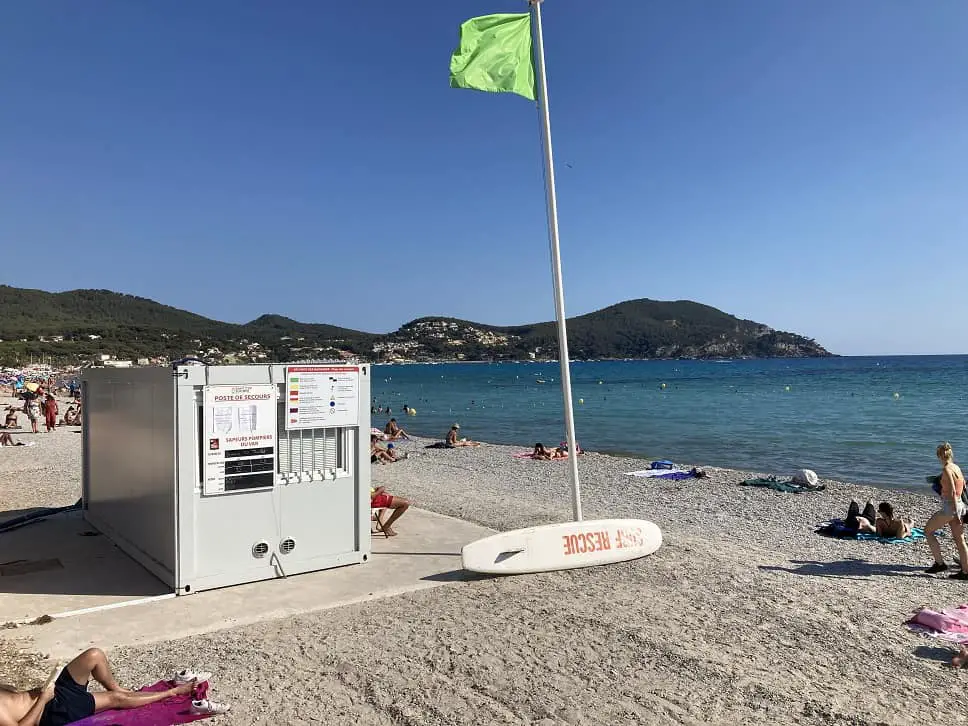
(75, 326)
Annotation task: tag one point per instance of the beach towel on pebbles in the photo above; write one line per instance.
(837, 528)
(674, 474)
(174, 710)
(530, 455)
(950, 624)
(782, 485)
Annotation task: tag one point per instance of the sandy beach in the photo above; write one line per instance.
(743, 616)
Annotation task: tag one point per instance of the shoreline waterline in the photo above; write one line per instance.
(864, 419)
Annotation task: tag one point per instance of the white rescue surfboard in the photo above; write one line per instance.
(563, 546)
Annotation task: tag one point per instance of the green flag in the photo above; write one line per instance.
(495, 55)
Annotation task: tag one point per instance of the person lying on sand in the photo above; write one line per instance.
(540, 452)
(7, 440)
(453, 441)
(883, 522)
(379, 499)
(66, 699)
(394, 432)
(543, 453)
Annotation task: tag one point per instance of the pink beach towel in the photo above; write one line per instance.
(175, 710)
(950, 624)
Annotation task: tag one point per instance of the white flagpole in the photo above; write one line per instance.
(556, 262)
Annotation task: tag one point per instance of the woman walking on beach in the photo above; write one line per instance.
(32, 408)
(951, 513)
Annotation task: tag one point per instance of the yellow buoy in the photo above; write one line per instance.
(600, 383)
(663, 385)
(897, 395)
(412, 412)
(581, 400)
(787, 388)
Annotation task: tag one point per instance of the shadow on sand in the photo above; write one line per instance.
(458, 576)
(941, 655)
(852, 568)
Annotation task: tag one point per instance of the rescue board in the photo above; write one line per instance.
(563, 546)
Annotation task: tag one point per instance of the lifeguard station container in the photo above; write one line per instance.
(218, 475)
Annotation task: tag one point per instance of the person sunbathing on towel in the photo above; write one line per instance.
(453, 441)
(67, 699)
(380, 499)
(541, 453)
(379, 455)
(7, 440)
(883, 522)
(394, 432)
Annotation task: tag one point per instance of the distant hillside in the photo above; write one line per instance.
(76, 325)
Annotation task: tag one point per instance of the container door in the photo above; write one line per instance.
(319, 524)
(237, 513)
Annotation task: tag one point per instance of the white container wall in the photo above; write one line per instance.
(218, 475)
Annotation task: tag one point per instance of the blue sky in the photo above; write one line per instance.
(803, 164)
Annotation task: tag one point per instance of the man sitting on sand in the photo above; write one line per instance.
(453, 441)
(10, 422)
(379, 499)
(66, 699)
(882, 523)
(71, 417)
(394, 432)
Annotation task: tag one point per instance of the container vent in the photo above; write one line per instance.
(305, 450)
(260, 549)
(287, 545)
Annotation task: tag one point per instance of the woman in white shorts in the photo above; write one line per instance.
(951, 513)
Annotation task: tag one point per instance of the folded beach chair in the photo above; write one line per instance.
(376, 516)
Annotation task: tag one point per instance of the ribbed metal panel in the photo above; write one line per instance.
(309, 450)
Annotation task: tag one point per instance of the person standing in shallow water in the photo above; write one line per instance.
(951, 513)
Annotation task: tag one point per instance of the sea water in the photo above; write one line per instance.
(860, 419)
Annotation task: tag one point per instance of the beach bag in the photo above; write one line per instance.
(935, 481)
(806, 478)
(662, 464)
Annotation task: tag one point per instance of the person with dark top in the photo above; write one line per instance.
(540, 452)
(883, 522)
(858, 521)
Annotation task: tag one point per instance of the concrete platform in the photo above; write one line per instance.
(425, 554)
(61, 564)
